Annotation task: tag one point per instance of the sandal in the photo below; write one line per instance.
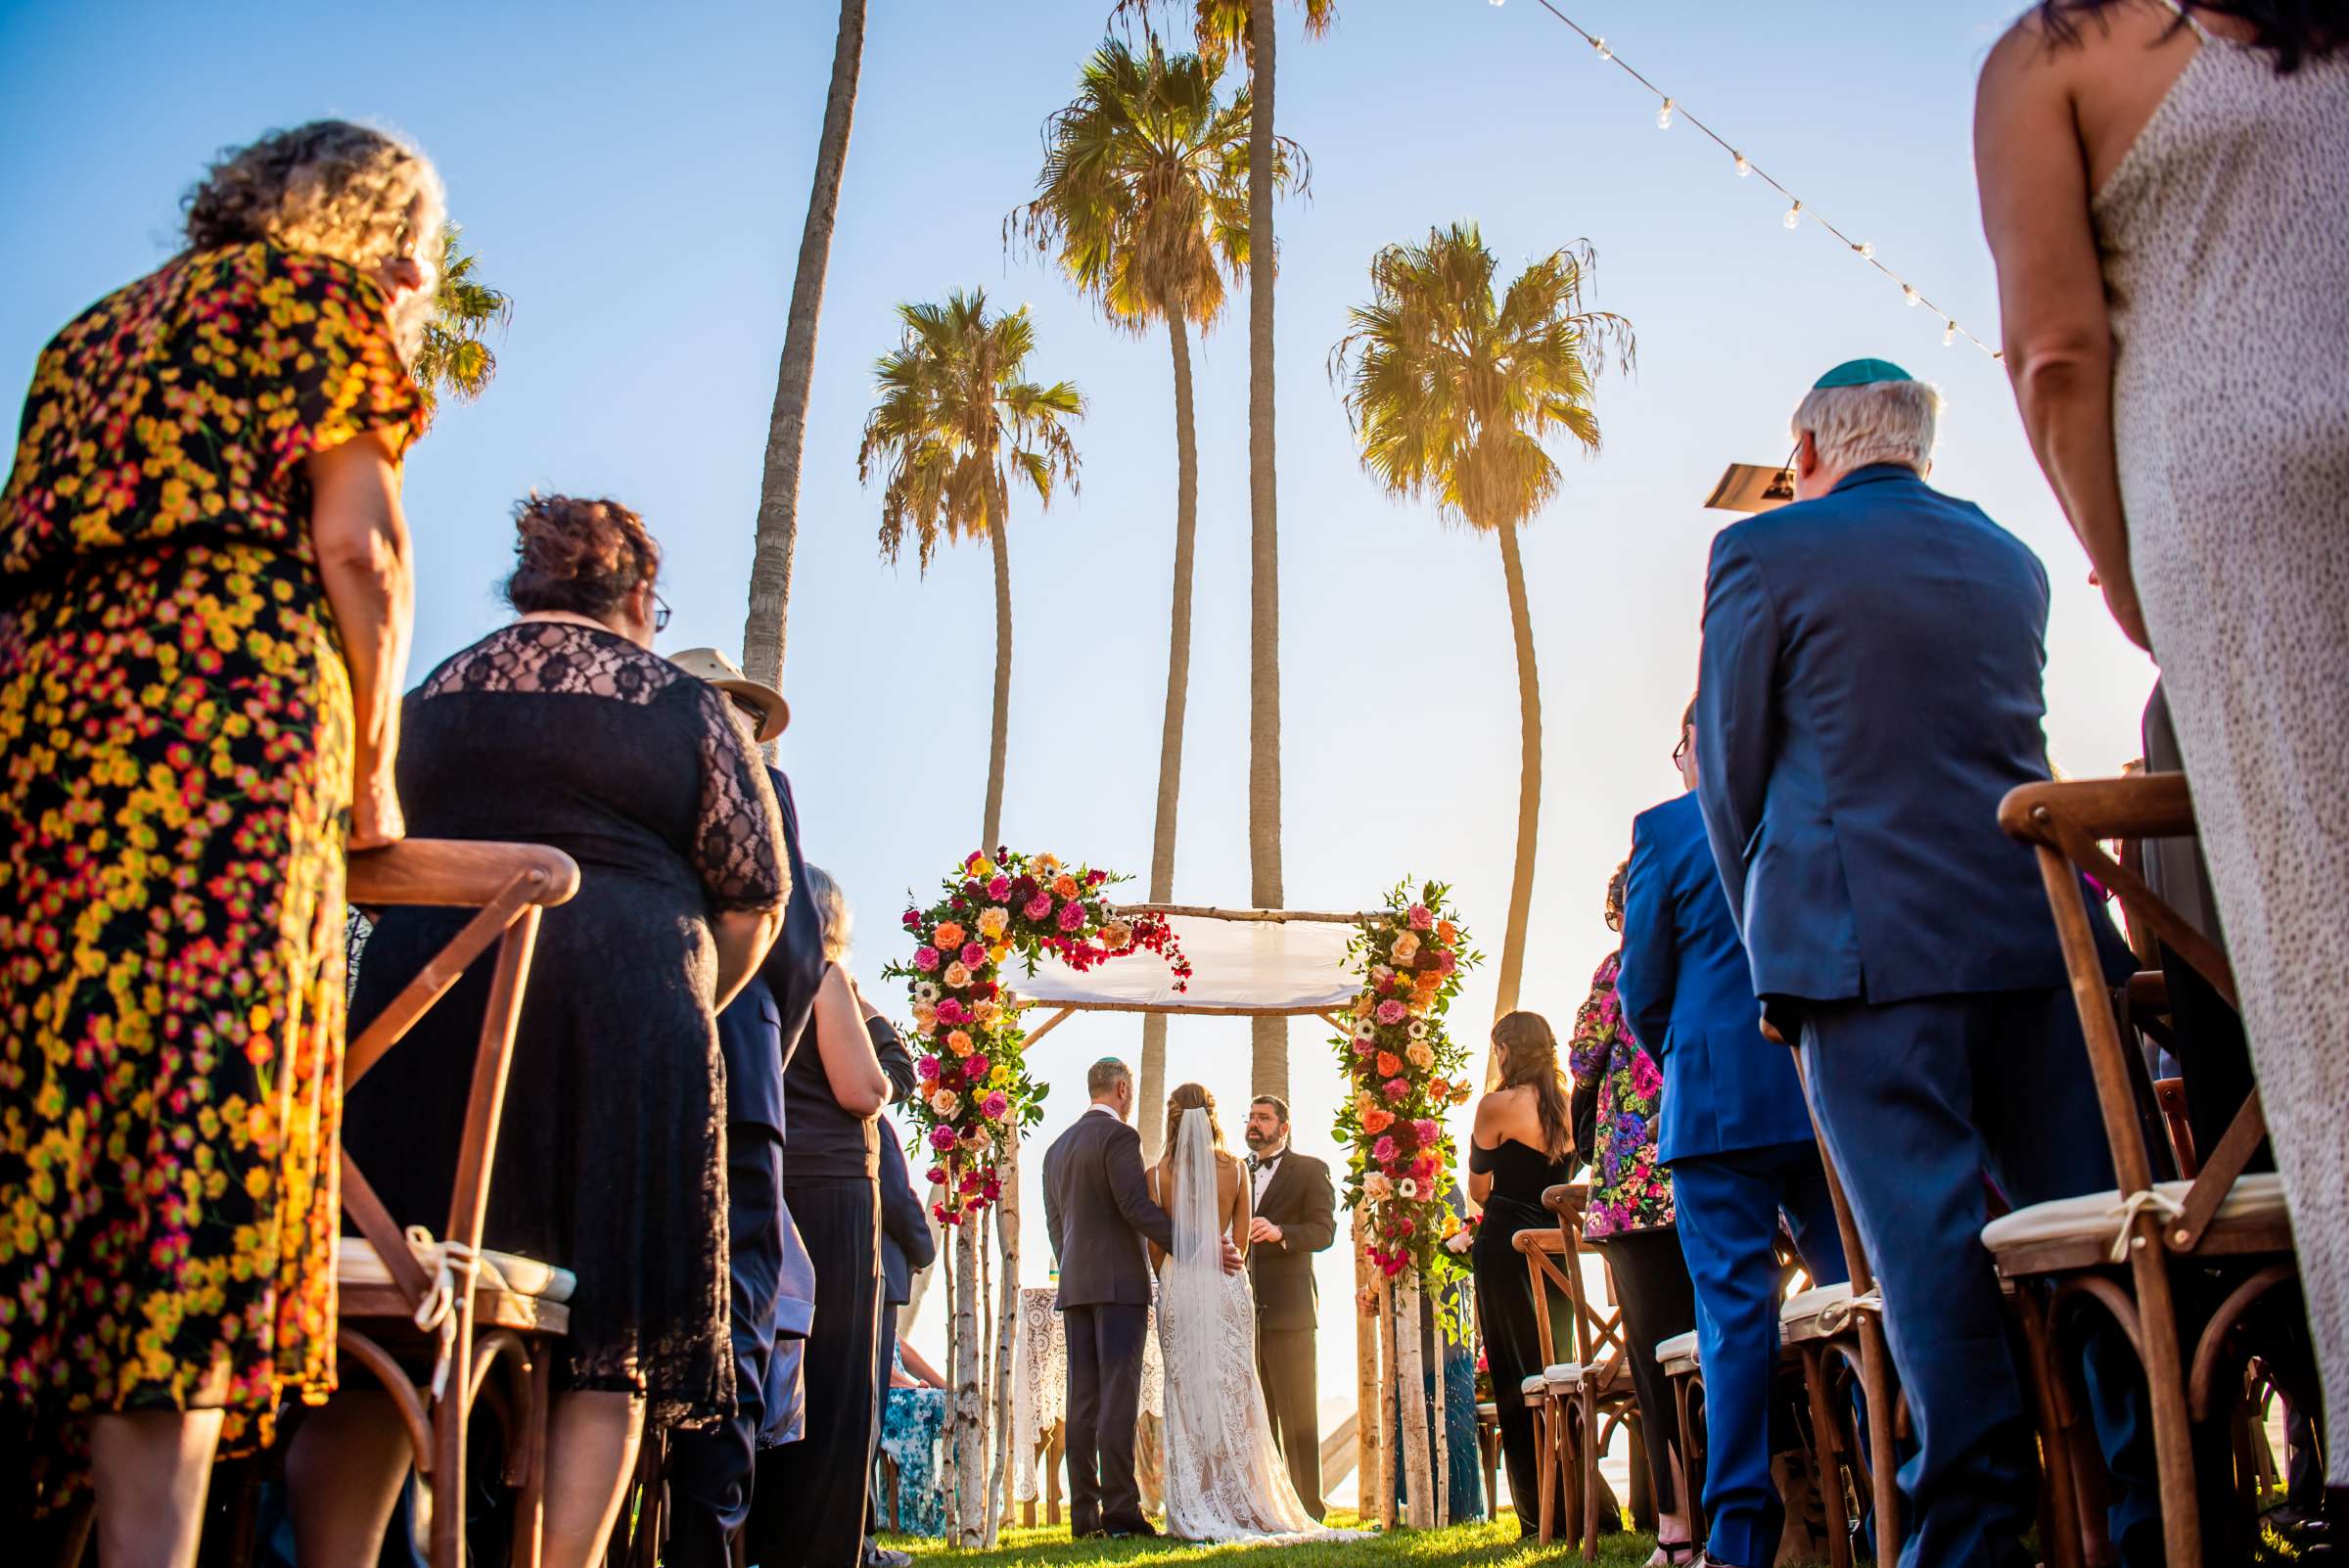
(1672, 1554)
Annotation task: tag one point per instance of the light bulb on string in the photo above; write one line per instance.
(1664, 116)
(1604, 53)
(1743, 168)
(1866, 250)
(1950, 335)
(1909, 293)
(1794, 216)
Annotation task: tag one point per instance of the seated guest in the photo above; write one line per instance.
(563, 728)
(205, 616)
(914, 1418)
(1629, 1220)
(709, 1468)
(1519, 1147)
(1870, 693)
(906, 1249)
(808, 1504)
(1737, 1138)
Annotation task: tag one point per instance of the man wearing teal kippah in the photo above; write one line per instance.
(1869, 692)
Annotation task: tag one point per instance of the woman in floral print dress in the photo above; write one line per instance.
(1630, 1219)
(204, 619)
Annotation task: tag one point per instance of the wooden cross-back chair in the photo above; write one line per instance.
(2118, 1251)
(1590, 1397)
(444, 1306)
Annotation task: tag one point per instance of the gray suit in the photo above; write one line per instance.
(1099, 1213)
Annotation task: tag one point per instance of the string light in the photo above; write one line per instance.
(1667, 107)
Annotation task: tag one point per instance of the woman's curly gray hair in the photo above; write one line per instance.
(357, 194)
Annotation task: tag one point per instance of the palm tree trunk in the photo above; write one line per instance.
(787, 425)
(1178, 693)
(1268, 1036)
(990, 835)
(1529, 776)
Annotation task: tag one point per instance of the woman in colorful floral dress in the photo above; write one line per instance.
(204, 617)
(1630, 1219)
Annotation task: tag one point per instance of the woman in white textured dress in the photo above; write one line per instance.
(1226, 1478)
(2166, 189)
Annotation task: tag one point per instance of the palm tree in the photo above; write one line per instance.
(1451, 394)
(1143, 197)
(778, 527)
(1220, 27)
(956, 424)
(454, 361)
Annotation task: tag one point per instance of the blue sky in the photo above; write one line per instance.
(636, 178)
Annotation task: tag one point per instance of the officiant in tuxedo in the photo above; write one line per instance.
(1296, 1214)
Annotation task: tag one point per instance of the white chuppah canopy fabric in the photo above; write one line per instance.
(1241, 963)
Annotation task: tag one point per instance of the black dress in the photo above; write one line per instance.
(1504, 1304)
(611, 1153)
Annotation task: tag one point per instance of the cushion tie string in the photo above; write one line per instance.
(2138, 1203)
(1836, 1314)
(437, 1311)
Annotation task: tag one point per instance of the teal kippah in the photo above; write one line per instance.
(1860, 373)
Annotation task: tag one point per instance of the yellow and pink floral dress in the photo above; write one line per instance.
(1629, 1189)
(176, 759)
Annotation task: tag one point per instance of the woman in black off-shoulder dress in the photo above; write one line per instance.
(563, 728)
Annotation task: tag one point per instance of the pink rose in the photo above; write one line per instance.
(937, 1173)
(977, 1067)
(926, 1069)
(1391, 1012)
(1366, 1047)
(1038, 907)
(974, 956)
(942, 1139)
(925, 957)
(1399, 1089)
(1383, 1150)
(998, 886)
(1422, 917)
(1426, 1130)
(996, 1104)
(951, 1011)
(1072, 916)
(1446, 960)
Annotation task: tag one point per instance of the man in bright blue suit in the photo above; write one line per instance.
(1869, 691)
(1737, 1137)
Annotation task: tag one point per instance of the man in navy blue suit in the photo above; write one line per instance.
(1738, 1141)
(1869, 691)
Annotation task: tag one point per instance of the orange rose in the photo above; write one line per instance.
(1375, 1122)
(959, 1043)
(1388, 1066)
(1064, 887)
(1446, 933)
(948, 935)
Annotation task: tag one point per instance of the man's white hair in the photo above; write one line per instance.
(1881, 422)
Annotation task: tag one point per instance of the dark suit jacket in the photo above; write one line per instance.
(1099, 1213)
(1869, 691)
(1301, 1201)
(1688, 993)
(905, 1245)
(760, 1030)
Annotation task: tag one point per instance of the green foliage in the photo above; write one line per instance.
(1220, 27)
(1452, 392)
(1490, 1543)
(1143, 195)
(455, 361)
(957, 417)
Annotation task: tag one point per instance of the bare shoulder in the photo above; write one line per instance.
(1497, 1112)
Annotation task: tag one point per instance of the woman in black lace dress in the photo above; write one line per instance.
(563, 728)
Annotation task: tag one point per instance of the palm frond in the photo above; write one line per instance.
(453, 360)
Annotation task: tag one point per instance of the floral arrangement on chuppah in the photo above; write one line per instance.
(1404, 1071)
(974, 1084)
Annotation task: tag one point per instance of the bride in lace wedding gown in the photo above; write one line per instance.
(1225, 1480)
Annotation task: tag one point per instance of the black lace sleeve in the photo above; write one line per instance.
(738, 842)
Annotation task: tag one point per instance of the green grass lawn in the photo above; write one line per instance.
(1468, 1546)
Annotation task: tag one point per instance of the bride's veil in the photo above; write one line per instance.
(1190, 1291)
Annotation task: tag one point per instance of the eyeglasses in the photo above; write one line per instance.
(661, 612)
(1681, 750)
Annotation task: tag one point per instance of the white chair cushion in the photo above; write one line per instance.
(1810, 1302)
(356, 1262)
(1534, 1387)
(1562, 1374)
(1678, 1348)
(2097, 1215)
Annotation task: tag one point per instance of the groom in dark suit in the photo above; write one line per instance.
(1097, 1211)
(1295, 1215)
